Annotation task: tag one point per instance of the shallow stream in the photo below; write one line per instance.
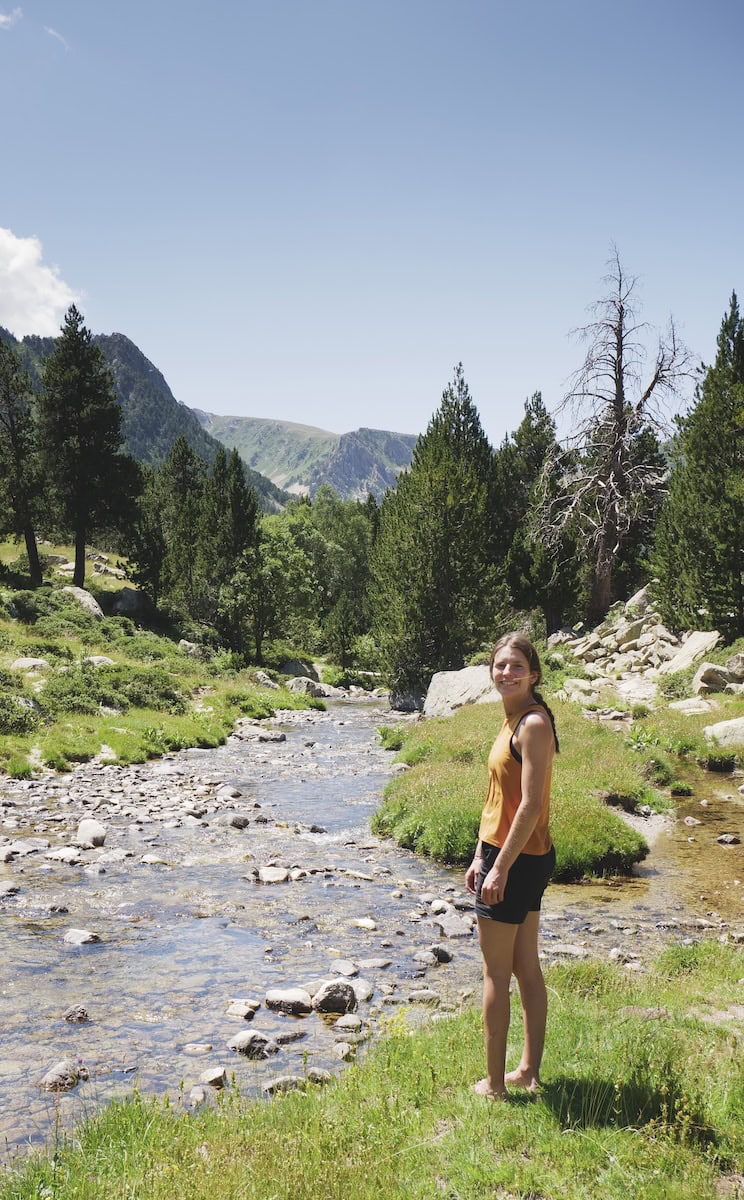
(189, 930)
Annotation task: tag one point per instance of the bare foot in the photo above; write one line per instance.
(523, 1079)
(483, 1088)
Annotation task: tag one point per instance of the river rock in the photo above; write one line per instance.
(64, 1076)
(25, 846)
(296, 1002)
(215, 1077)
(287, 1083)
(344, 1051)
(348, 1023)
(81, 937)
(450, 690)
(335, 996)
(363, 922)
(304, 686)
(728, 839)
(90, 833)
(197, 1096)
(726, 733)
(453, 926)
(425, 958)
(85, 600)
(273, 875)
(424, 996)
(76, 1014)
(246, 1009)
(8, 888)
(345, 967)
(363, 990)
(253, 1044)
(69, 855)
(695, 646)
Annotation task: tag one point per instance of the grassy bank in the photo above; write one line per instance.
(643, 1095)
(435, 806)
(151, 698)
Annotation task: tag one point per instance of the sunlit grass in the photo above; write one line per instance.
(643, 1095)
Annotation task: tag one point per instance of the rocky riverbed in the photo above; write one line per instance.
(225, 918)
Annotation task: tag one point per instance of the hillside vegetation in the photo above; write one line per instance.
(300, 458)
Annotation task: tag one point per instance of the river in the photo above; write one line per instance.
(185, 929)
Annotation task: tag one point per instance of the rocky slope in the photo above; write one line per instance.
(300, 458)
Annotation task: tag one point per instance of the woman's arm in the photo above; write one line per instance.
(471, 875)
(537, 746)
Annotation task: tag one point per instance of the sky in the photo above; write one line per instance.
(313, 210)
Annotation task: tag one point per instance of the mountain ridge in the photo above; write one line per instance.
(300, 458)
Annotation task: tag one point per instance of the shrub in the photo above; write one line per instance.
(391, 739)
(16, 717)
(678, 685)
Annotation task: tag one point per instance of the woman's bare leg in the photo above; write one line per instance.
(497, 946)
(534, 997)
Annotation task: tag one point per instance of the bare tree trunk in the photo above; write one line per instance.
(34, 566)
(78, 577)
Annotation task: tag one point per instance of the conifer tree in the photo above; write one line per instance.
(699, 552)
(433, 582)
(92, 483)
(20, 477)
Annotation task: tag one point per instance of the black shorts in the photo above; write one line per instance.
(527, 880)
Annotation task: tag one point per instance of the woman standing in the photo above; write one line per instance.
(513, 862)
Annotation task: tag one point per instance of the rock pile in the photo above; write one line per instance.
(628, 653)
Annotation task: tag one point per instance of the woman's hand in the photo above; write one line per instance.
(494, 885)
(472, 873)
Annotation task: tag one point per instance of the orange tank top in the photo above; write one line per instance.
(505, 792)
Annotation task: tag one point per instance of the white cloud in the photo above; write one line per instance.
(33, 296)
(53, 33)
(8, 20)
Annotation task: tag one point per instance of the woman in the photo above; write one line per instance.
(513, 862)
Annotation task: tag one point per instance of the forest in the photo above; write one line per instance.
(537, 532)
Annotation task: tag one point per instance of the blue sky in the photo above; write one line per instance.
(313, 210)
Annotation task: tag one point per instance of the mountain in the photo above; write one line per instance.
(299, 458)
(152, 418)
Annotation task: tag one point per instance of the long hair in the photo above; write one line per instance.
(525, 647)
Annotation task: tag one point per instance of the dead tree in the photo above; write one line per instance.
(600, 481)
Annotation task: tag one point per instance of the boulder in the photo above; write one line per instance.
(304, 685)
(711, 677)
(253, 1044)
(407, 701)
(129, 602)
(697, 644)
(735, 665)
(98, 660)
(726, 733)
(266, 681)
(85, 600)
(696, 704)
(90, 832)
(450, 690)
(639, 603)
(335, 996)
(295, 666)
(64, 1076)
(29, 664)
(295, 1001)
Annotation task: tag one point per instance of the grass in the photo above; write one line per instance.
(632, 1104)
(435, 807)
(153, 699)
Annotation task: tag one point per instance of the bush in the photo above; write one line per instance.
(16, 717)
(678, 685)
(84, 689)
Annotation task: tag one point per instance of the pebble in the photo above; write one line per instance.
(215, 1077)
(81, 937)
(76, 1014)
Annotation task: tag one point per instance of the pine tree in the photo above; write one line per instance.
(699, 552)
(183, 485)
(433, 588)
(20, 477)
(93, 484)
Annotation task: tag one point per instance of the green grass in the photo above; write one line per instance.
(631, 1105)
(435, 807)
(158, 698)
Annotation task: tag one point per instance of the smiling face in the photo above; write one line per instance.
(511, 674)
